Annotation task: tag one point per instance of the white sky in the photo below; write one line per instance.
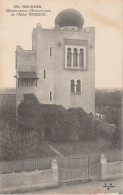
(104, 15)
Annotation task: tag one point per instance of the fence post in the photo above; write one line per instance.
(103, 162)
(54, 167)
(88, 167)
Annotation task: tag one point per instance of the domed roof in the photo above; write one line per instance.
(69, 17)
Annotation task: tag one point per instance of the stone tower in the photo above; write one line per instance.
(60, 68)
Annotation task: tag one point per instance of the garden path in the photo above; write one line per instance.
(54, 150)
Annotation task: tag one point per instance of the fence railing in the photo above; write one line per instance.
(113, 156)
(73, 161)
(25, 165)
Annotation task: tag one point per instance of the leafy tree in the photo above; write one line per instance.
(109, 104)
(105, 98)
(113, 115)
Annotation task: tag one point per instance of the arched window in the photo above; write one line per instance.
(69, 57)
(72, 87)
(78, 86)
(75, 57)
(81, 58)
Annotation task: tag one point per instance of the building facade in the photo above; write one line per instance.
(60, 68)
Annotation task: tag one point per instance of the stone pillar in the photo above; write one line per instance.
(103, 162)
(54, 167)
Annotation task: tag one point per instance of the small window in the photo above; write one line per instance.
(27, 82)
(50, 95)
(69, 56)
(50, 51)
(44, 74)
(75, 57)
(72, 86)
(78, 86)
(36, 82)
(81, 58)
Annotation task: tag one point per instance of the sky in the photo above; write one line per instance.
(104, 15)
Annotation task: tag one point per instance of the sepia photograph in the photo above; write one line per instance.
(61, 97)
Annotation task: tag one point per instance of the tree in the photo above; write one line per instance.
(113, 115)
(109, 104)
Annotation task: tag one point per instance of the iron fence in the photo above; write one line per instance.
(73, 161)
(113, 156)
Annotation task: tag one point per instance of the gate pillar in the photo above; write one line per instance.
(54, 167)
(103, 162)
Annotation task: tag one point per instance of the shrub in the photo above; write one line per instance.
(117, 136)
(15, 145)
(8, 113)
(63, 123)
(104, 129)
(84, 123)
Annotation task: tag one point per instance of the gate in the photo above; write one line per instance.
(79, 167)
(94, 166)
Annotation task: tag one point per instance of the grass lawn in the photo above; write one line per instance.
(83, 147)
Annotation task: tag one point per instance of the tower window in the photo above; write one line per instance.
(72, 87)
(44, 74)
(75, 57)
(69, 57)
(78, 86)
(50, 95)
(81, 58)
(50, 51)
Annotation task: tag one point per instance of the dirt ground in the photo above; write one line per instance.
(92, 187)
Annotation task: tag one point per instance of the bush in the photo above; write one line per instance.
(117, 136)
(84, 124)
(8, 113)
(15, 145)
(104, 129)
(63, 123)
